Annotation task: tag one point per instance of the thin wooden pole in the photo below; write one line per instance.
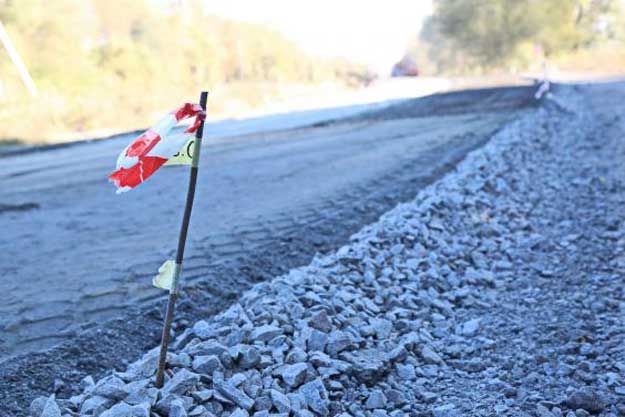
(17, 61)
(182, 239)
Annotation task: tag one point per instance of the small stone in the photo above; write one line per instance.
(206, 365)
(182, 381)
(58, 385)
(178, 361)
(296, 355)
(263, 403)
(111, 387)
(249, 357)
(144, 367)
(542, 411)
(447, 410)
(586, 349)
(234, 394)
(406, 372)
(237, 379)
(76, 400)
(36, 406)
(86, 383)
(470, 328)
(252, 390)
(611, 378)
(429, 397)
(203, 330)
(376, 400)
(167, 401)
(430, 356)
(239, 412)
(124, 410)
(395, 396)
(265, 333)
(215, 407)
(203, 395)
(316, 396)
(564, 369)
(338, 341)
(177, 409)
(397, 249)
(397, 355)
(95, 405)
(139, 392)
(51, 408)
(210, 347)
(317, 341)
(368, 365)
(587, 399)
(294, 375)
(280, 401)
(199, 411)
(382, 328)
(321, 322)
(298, 402)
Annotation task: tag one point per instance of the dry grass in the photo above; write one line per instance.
(53, 118)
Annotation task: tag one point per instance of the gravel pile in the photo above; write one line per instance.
(497, 291)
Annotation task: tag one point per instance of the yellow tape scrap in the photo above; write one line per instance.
(165, 277)
(184, 156)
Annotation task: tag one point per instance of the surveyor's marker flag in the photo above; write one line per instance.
(139, 160)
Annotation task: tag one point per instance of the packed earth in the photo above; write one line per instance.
(312, 188)
(497, 291)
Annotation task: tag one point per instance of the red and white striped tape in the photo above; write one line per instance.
(146, 154)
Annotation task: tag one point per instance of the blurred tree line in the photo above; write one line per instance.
(108, 63)
(479, 35)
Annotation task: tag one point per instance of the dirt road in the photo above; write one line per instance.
(75, 255)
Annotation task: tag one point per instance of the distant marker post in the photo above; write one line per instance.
(173, 291)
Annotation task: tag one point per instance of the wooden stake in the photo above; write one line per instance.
(182, 239)
(17, 61)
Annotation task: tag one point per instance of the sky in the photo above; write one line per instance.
(372, 32)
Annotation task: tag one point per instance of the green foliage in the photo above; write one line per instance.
(115, 64)
(465, 35)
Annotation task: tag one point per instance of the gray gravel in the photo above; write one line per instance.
(497, 291)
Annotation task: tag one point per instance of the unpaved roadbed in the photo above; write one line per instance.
(497, 291)
(266, 204)
(62, 223)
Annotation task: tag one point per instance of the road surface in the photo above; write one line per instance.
(75, 255)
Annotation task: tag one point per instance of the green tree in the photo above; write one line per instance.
(492, 33)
